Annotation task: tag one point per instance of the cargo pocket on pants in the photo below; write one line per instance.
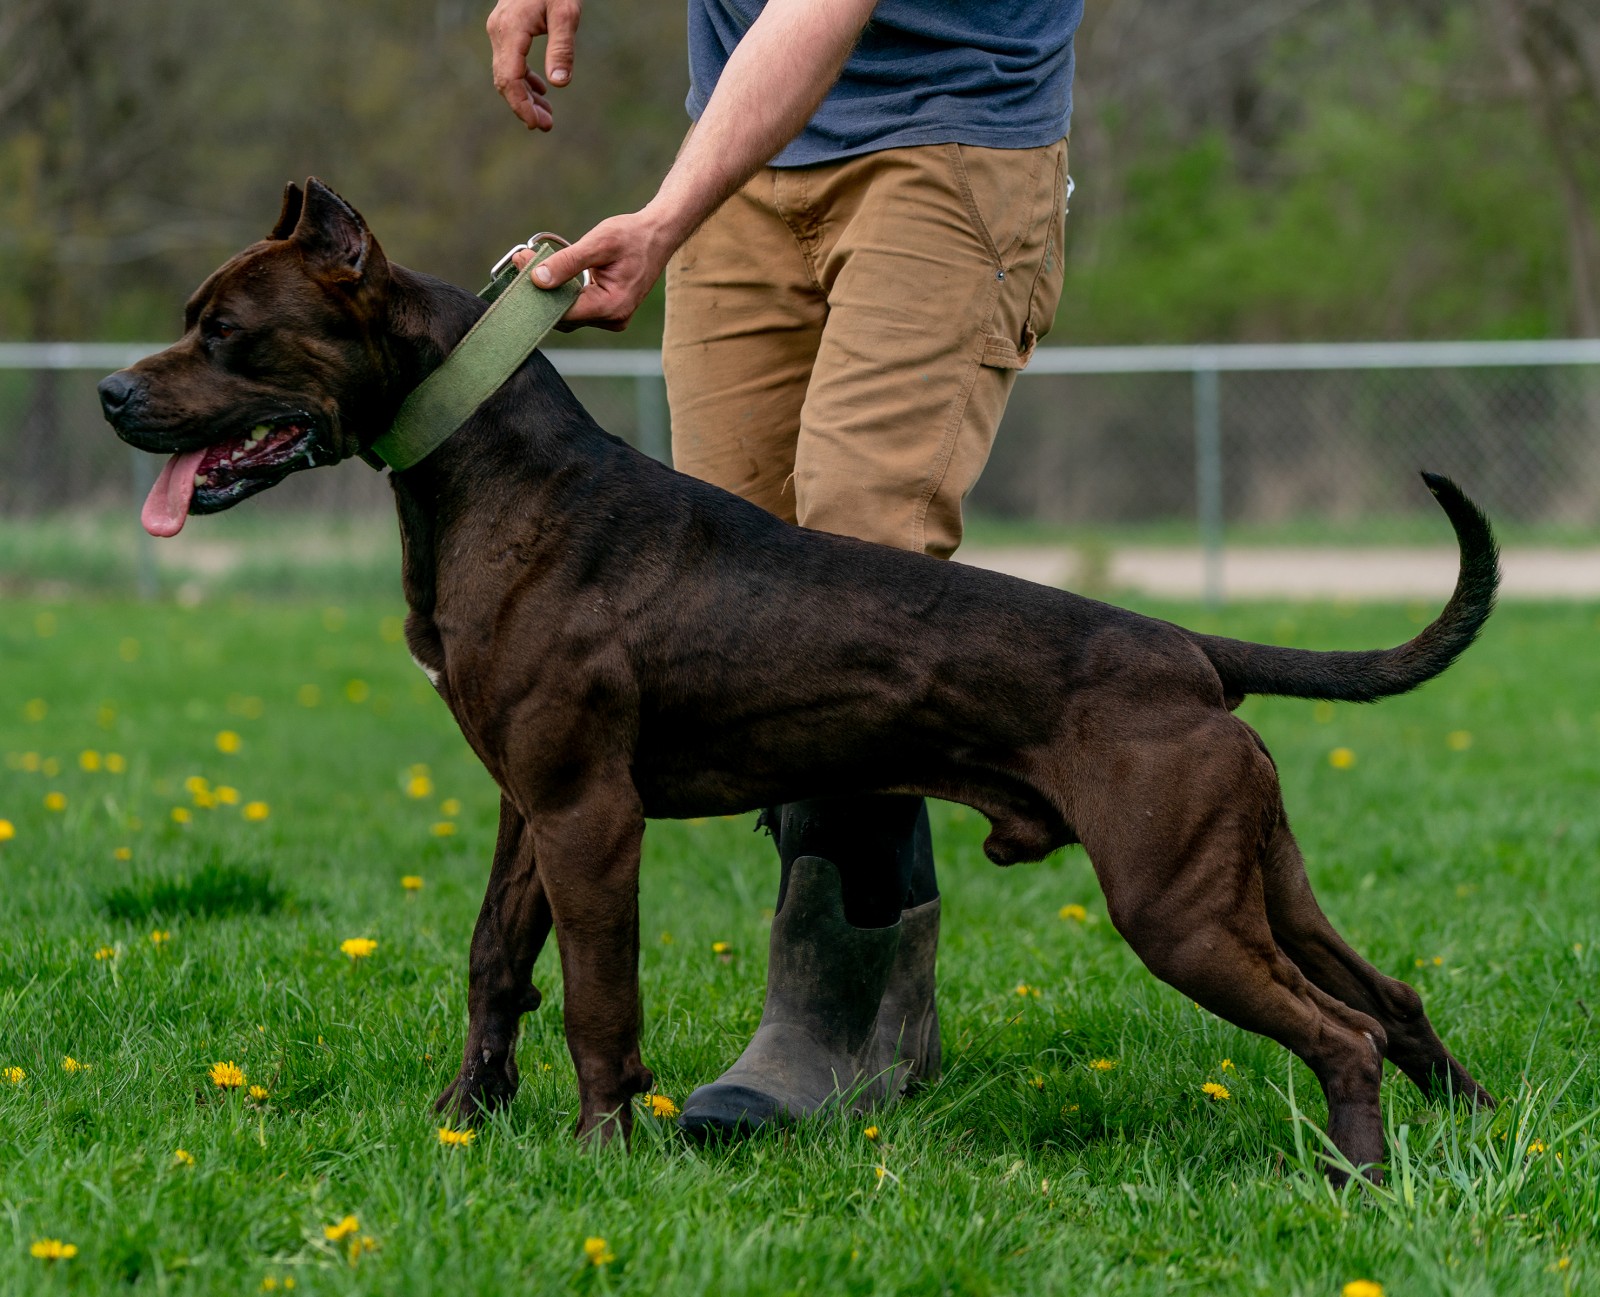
(1006, 353)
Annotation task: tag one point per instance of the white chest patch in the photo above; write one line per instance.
(433, 676)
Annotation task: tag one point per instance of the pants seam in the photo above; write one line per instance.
(952, 432)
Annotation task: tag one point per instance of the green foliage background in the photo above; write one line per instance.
(1280, 170)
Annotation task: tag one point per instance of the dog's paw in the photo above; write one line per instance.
(486, 1082)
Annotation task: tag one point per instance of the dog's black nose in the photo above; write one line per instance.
(115, 392)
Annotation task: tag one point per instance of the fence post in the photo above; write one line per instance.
(650, 415)
(1208, 474)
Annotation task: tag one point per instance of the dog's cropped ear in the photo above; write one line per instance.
(335, 240)
(289, 215)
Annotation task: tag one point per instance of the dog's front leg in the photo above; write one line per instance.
(588, 851)
(511, 931)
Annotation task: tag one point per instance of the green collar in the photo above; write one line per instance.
(519, 317)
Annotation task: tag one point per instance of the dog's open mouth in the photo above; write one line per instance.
(218, 476)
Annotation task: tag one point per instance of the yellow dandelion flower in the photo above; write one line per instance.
(1037, 1082)
(181, 815)
(255, 812)
(879, 1172)
(183, 1157)
(451, 806)
(357, 691)
(106, 716)
(443, 829)
(308, 695)
(89, 760)
(417, 768)
(55, 801)
(343, 1229)
(1227, 1065)
(456, 1138)
(70, 1064)
(226, 1076)
(871, 1132)
(419, 786)
(412, 882)
(1458, 740)
(1076, 913)
(598, 1251)
(358, 947)
(1103, 1064)
(35, 709)
(116, 763)
(1536, 1147)
(194, 785)
(225, 795)
(205, 800)
(122, 853)
(8, 830)
(1362, 1288)
(1215, 1092)
(31, 762)
(258, 1093)
(661, 1106)
(1022, 988)
(721, 948)
(1341, 758)
(106, 952)
(14, 1075)
(666, 938)
(53, 1249)
(160, 937)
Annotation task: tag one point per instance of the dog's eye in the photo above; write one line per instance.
(221, 329)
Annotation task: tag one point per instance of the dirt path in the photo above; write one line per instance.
(1289, 573)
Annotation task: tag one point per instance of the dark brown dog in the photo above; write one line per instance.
(618, 641)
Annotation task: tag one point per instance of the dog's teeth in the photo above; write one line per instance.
(200, 479)
(259, 431)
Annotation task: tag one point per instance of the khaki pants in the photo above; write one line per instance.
(841, 339)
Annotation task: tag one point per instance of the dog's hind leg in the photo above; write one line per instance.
(1180, 865)
(1306, 936)
(510, 933)
(588, 848)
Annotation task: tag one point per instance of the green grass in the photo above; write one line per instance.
(1470, 871)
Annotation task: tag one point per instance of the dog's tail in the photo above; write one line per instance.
(1365, 676)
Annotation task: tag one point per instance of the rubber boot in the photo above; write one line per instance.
(908, 1049)
(819, 1044)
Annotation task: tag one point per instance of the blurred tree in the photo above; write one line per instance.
(1264, 169)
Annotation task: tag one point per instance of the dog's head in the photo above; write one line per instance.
(282, 365)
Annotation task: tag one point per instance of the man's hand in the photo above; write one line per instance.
(624, 257)
(512, 28)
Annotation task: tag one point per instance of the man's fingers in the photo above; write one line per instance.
(558, 55)
(562, 264)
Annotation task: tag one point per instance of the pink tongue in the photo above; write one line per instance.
(167, 508)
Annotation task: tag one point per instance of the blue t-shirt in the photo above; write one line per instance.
(996, 73)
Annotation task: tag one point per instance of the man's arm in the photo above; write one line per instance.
(782, 68)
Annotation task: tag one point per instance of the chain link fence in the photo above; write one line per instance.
(1311, 442)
